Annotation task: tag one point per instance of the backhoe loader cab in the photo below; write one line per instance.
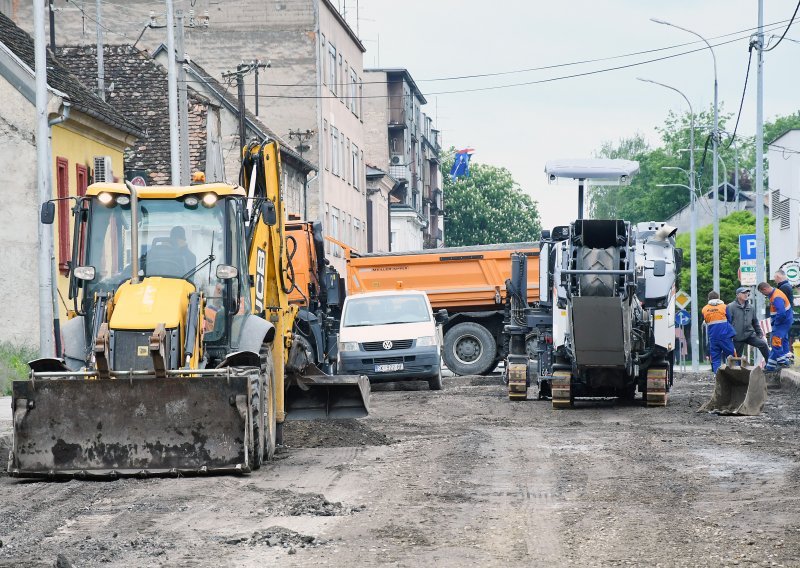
(189, 243)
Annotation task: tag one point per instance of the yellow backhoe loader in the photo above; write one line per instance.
(181, 356)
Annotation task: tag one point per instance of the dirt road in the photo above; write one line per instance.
(461, 477)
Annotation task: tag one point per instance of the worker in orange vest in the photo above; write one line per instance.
(781, 317)
(720, 332)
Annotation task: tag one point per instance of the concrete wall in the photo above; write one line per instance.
(783, 197)
(19, 219)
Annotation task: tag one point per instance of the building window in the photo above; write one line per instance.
(324, 143)
(62, 192)
(323, 60)
(327, 227)
(332, 68)
(348, 174)
(355, 166)
(353, 90)
(342, 155)
(345, 80)
(339, 73)
(335, 151)
(335, 230)
(360, 97)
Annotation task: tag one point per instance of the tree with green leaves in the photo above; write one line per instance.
(643, 201)
(487, 207)
(730, 227)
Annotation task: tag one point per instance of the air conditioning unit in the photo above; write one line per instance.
(397, 159)
(102, 169)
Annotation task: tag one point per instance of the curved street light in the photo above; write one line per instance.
(693, 236)
(715, 141)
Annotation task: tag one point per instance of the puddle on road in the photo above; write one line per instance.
(732, 464)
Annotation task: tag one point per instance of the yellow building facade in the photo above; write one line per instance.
(76, 143)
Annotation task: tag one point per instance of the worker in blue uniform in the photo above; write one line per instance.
(781, 317)
(720, 331)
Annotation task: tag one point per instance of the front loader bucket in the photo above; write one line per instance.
(89, 427)
(319, 396)
(739, 389)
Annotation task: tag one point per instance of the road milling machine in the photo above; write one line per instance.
(605, 323)
(184, 353)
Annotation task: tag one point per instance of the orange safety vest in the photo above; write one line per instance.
(715, 313)
(778, 294)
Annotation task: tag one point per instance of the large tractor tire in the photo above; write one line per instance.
(469, 349)
(598, 259)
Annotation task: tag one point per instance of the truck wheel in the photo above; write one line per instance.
(469, 349)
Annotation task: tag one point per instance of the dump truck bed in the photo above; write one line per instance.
(456, 277)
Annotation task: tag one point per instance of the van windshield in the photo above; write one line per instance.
(382, 310)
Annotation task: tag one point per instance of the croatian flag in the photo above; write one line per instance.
(461, 164)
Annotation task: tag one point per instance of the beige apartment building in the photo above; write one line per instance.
(309, 95)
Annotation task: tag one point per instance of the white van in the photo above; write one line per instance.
(391, 336)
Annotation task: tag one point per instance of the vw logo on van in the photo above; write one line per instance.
(387, 344)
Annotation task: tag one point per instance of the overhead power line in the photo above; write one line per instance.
(512, 85)
(791, 21)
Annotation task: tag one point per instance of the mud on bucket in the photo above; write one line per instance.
(739, 389)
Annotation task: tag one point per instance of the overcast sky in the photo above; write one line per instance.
(521, 128)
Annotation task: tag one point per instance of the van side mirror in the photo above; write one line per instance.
(48, 214)
(268, 213)
(442, 316)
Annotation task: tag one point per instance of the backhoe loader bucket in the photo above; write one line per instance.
(317, 396)
(739, 389)
(85, 427)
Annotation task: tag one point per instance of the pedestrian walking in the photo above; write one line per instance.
(720, 331)
(742, 316)
(781, 318)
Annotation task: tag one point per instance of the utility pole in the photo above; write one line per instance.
(46, 347)
(183, 100)
(241, 70)
(172, 95)
(302, 137)
(52, 26)
(760, 241)
(101, 71)
(255, 64)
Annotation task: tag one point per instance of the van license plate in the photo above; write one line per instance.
(387, 368)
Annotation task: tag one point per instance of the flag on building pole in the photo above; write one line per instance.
(461, 164)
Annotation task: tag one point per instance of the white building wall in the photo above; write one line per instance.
(406, 231)
(19, 323)
(783, 197)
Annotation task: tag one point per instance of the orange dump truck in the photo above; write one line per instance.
(469, 282)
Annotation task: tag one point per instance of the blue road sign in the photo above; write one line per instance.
(747, 247)
(682, 318)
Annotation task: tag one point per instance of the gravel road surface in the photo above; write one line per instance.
(460, 477)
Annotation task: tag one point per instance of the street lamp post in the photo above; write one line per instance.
(715, 141)
(693, 237)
